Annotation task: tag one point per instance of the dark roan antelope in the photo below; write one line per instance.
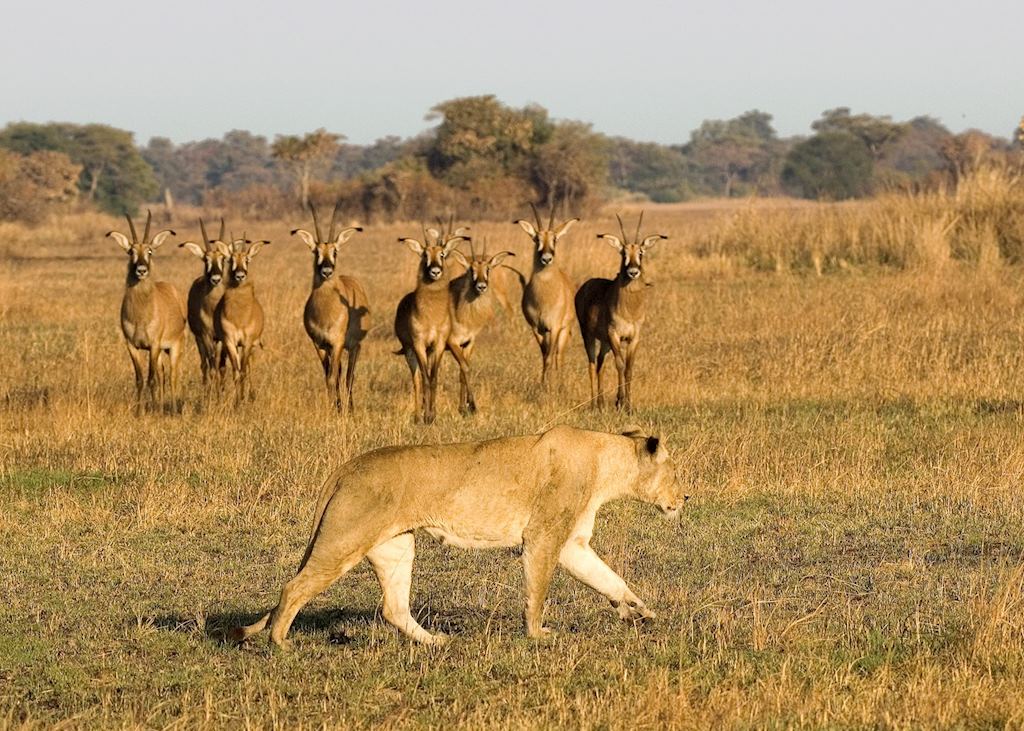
(611, 314)
(152, 317)
(205, 294)
(337, 312)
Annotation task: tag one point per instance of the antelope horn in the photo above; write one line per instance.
(551, 218)
(536, 216)
(223, 229)
(316, 223)
(636, 239)
(334, 218)
(149, 220)
(451, 223)
(472, 249)
(131, 226)
(622, 228)
(202, 228)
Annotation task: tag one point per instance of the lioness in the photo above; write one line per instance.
(539, 491)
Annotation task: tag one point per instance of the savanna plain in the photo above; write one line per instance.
(842, 388)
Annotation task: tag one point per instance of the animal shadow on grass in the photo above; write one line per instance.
(218, 625)
(333, 622)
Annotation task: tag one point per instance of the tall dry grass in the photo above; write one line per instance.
(850, 557)
(983, 215)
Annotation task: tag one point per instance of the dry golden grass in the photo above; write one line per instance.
(851, 556)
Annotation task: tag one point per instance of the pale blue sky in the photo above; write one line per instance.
(644, 69)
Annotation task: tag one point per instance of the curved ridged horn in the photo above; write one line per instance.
(536, 216)
(149, 220)
(636, 239)
(131, 227)
(334, 219)
(622, 228)
(202, 229)
(451, 223)
(551, 217)
(316, 224)
(223, 229)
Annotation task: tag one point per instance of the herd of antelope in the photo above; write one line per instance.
(444, 313)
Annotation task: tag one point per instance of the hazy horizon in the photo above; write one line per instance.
(370, 72)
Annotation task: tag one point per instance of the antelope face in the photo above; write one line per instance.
(434, 255)
(240, 257)
(632, 265)
(140, 252)
(480, 268)
(632, 261)
(216, 261)
(545, 239)
(325, 250)
(432, 262)
(140, 257)
(325, 260)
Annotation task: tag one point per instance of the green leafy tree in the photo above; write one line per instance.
(305, 156)
(571, 167)
(874, 132)
(114, 175)
(735, 155)
(478, 137)
(660, 172)
(830, 165)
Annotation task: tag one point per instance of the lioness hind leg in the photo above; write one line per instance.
(392, 562)
(579, 559)
(314, 577)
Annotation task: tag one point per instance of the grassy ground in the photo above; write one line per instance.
(850, 558)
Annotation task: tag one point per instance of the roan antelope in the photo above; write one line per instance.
(423, 322)
(547, 295)
(473, 301)
(152, 317)
(205, 294)
(611, 314)
(238, 320)
(337, 313)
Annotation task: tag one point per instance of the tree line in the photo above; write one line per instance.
(486, 157)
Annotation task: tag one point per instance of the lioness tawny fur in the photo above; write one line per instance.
(541, 492)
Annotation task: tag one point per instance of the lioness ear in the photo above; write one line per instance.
(651, 445)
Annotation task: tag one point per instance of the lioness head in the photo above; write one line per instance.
(657, 482)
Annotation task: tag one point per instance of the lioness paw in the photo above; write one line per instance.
(633, 611)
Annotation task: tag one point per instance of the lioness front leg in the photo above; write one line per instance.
(539, 561)
(579, 559)
(392, 562)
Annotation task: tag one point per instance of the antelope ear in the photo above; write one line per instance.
(307, 237)
(461, 231)
(650, 241)
(222, 247)
(564, 228)
(498, 258)
(193, 248)
(121, 239)
(450, 244)
(414, 246)
(613, 240)
(160, 238)
(527, 227)
(459, 257)
(434, 234)
(255, 248)
(347, 233)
